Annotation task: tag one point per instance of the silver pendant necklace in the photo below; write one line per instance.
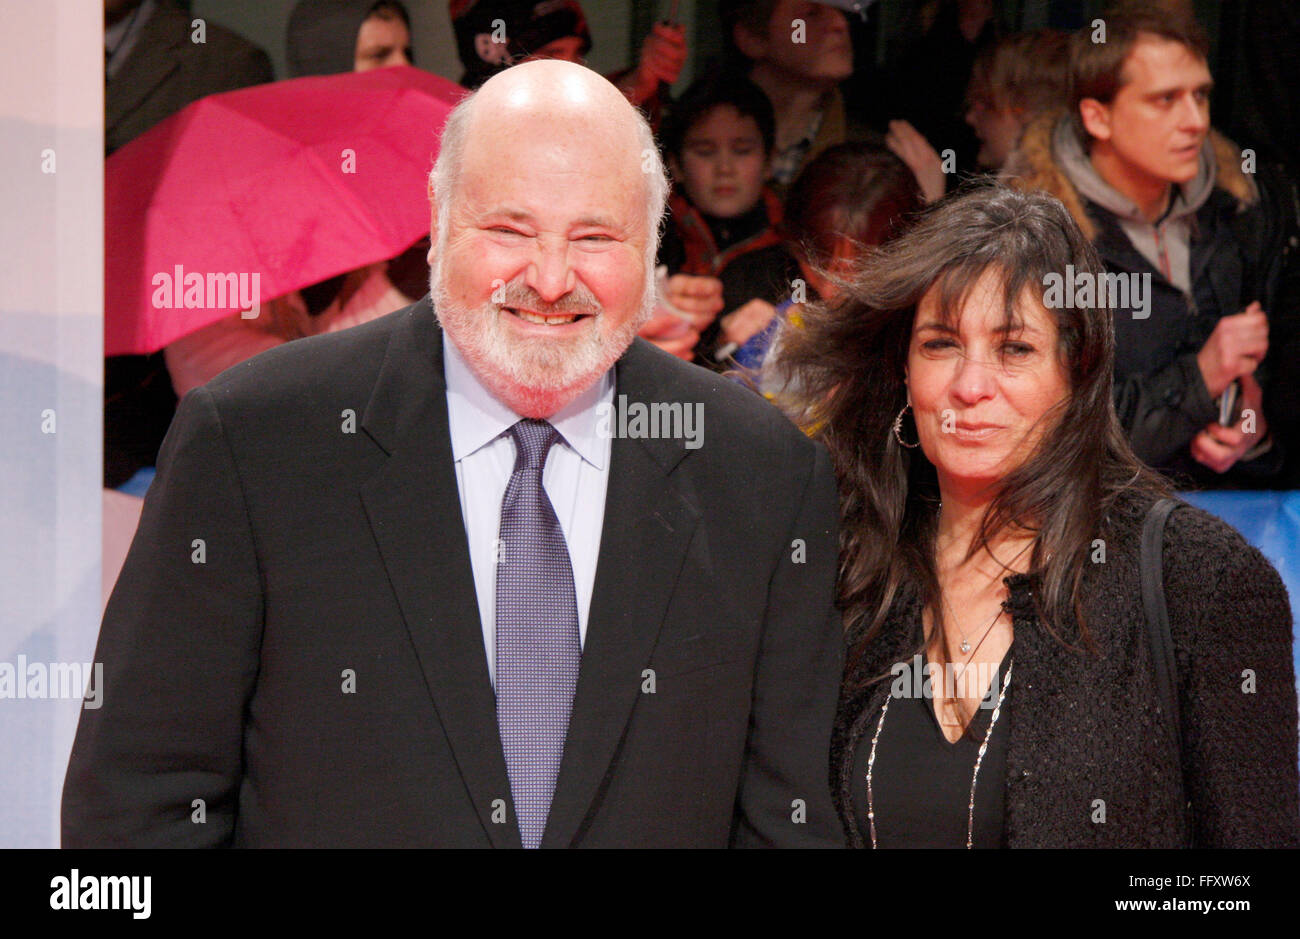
(965, 643)
(970, 808)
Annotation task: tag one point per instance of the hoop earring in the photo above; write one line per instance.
(898, 430)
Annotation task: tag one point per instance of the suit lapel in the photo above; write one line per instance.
(413, 507)
(648, 524)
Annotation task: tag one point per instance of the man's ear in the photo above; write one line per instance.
(1095, 117)
(751, 45)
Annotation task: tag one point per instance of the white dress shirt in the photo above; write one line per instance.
(575, 479)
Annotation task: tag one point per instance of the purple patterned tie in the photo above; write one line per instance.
(537, 645)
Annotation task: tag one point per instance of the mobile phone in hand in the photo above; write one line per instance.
(1229, 409)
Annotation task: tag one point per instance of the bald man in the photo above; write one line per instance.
(488, 571)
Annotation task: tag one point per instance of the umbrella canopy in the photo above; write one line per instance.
(251, 194)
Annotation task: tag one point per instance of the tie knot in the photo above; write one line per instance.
(533, 440)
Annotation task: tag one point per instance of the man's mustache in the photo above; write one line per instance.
(578, 301)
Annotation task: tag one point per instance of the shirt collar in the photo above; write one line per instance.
(476, 417)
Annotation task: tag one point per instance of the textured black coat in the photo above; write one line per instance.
(1083, 727)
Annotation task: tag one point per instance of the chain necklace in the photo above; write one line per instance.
(970, 808)
(965, 642)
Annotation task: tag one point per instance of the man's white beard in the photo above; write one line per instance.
(533, 377)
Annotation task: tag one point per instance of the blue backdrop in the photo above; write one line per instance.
(1271, 522)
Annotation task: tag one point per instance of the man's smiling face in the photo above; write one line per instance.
(541, 270)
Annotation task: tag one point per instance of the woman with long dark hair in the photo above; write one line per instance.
(1007, 684)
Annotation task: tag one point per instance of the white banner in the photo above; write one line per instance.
(51, 397)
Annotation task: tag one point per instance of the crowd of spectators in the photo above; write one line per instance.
(781, 187)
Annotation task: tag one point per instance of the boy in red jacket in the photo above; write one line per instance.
(718, 142)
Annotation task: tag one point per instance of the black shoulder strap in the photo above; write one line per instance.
(1157, 615)
(1157, 621)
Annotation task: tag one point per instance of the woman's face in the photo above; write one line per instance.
(980, 395)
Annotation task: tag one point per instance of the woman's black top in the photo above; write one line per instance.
(1085, 721)
(921, 782)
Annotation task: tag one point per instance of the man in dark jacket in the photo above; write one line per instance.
(1178, 213)
(455, 577)
(157, 59)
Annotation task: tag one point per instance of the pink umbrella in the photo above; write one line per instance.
(247, 195)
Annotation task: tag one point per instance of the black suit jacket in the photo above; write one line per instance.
(317, 482)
